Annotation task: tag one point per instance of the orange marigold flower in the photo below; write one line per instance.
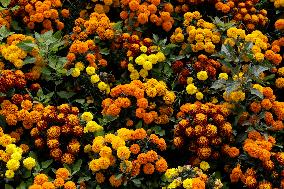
(58, 182)
(161, 165)
(40, 179)
(134, 148)
(115, 182)
(62, 173)
(69, 185)
(148, 168)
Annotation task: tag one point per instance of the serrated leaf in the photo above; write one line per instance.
(158, 130)
(139, 125)
(29, 60)
(27, 45)
(218, 84)
(77, 166)
(256, 92)
(65, 94)
(8, 186)
(104, 51)
(22, 186)
(258, 69)
(82, 179)
(4, 32)
(137, 182)
(5, 3)
(118, 176)
(46, 164)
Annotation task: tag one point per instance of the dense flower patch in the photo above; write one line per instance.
(141, 94)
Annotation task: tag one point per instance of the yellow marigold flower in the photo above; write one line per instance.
(143, 73)
(95, 78)
(102, 86)
(10, 148)
(104, 162)
(143, 49)
(123, 152)
(199, 96)
(90, 70)
(87, 116)
(117, 142)
(281, 71)
(153, 58)
(187, 183)
(134, 75)
(13, 164)
(174, 184)
(80, 66)
(279, 82)
(259, 56)
(106, 152)
(189, 80)
(170, 173)
(130, 67)
(87, 148)
(29, 163)
(147, 65)
(258, 87)
(16, 156)
(202, 75)
(94, 165)
(223, 76)
(9, 174)
(75, 72)
(92, 126)
(139, 60)
(191, 89)
(161, 57)
(204, 165)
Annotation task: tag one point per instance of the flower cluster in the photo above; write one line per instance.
(12, 53)
(96, 24)
(62, 176)
(200, 34)
(203, 129)
(245, 12)
(12, 155)
(262, 148)
(144, 108)
(43, 14)
(136, 13)
(131, 152)
(189, 177)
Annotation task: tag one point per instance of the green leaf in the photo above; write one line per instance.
(22, 185)
(4, 32)
(29, 60)
(137, 182)
(104, 51)
(8, 186)
(5, 3)
(82, 179)
(65, 94)
(118, 176)
(139, 124)
(67, 167)
(256, 92)
(158, 130)
(3, 121)
(76, 167)
(258, 69)
(27, 45)
(27, 174)
(80, 101)
(219, 84)
(46, 164)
